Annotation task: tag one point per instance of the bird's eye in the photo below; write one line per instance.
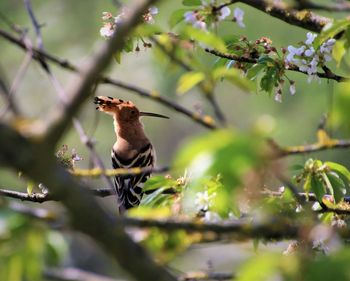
(133, 112)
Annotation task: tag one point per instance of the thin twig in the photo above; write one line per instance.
(208, 94)
(63, 96)
(42, 167)
(328, 75)
(204, 120)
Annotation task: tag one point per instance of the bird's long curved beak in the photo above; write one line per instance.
(153, 115)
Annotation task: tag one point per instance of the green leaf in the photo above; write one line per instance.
(339, 51)
(234, 76)
(341, 113)
(339, 169)
(118, 57)
(317, 187)
(191, 2)
(156, 182)
(30, 187)
(129, 45)
(259, 268)
(177, 16)
(188, 80)
(296, 167)
(154, 197)
(338, 186)
(330, 30)
(269, 80)
(266, 60)
(254, 71)
(56, 248)
(307, 184)
(205, 37)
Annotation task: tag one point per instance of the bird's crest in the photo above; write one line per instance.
(123, 110)
(109, 104)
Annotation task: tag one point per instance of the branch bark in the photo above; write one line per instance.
(305, 19)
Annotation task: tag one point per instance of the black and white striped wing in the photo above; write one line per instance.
(129, 188)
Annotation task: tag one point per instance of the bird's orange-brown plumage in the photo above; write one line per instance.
(132, 148)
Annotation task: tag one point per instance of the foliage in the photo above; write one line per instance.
(220, 178)
(27, 246)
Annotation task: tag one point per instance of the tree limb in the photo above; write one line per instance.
(327, 74)
(280, 10)
(204, 120)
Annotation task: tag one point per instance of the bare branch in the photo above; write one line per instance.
(204, 120)
(337, 7)
(107, 230)
(80, 90)
(62, 94)
(209, 95)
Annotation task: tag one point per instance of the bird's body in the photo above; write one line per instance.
(132, 149)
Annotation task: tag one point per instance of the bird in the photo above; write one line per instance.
(131, 149)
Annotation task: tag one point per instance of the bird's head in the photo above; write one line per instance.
(123, 111)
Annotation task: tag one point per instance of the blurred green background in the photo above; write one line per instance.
(71, 31)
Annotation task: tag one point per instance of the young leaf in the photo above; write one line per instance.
(307, 184)
(339, 51)
(331, 30)
(254, 71)
(177, 16)
(337, 186)
(339, 169)
(234, 76)
(30, 187)
(205, 37)
(317, 187)
(188, 81)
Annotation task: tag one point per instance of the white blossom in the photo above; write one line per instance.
(292, 89)
(193, 18)
(107, 15)
(313, 77)
(203, 200)
(148, 17)
(278, 97)
(190, 17)
(238, 15)
(294, 52)
(107, 30)
(310, 52)
(212, 217)
(224, 13)
(310, 38)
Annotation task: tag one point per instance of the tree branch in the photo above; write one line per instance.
(204, 120)
(81, 88)
(323, 143)
(280, 10)
(209, 95)
(327, 74)
(337, 7)
(26, 154)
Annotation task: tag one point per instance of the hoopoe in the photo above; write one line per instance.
(132, 148)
